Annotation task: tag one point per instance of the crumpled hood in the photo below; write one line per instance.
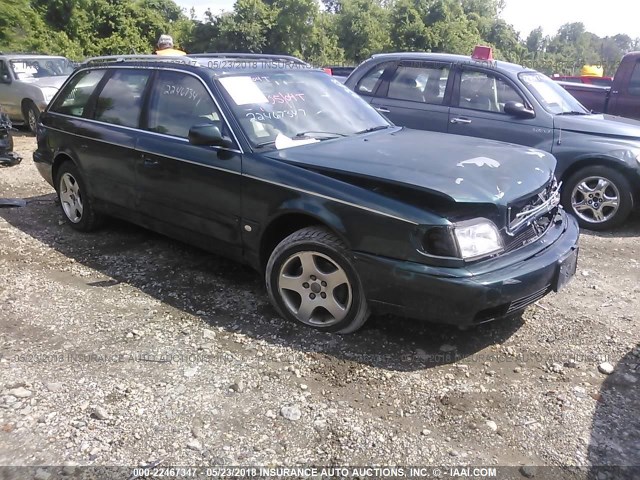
(599, 124)
(53, 82)
(465, 169)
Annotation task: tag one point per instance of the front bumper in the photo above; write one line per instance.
(479, 292)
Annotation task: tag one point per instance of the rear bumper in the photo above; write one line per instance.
(478, 293)
(44, 166)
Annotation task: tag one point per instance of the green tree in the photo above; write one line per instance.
(363, 28)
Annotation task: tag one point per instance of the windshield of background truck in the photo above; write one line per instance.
(290, 108)
(27, 68)
(553, 98)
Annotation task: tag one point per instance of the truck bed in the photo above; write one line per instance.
(591, 96)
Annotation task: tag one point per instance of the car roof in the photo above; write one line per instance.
(220, 64)
(449, 57)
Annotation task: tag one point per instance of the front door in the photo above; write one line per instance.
(478, 111)
(191, 191)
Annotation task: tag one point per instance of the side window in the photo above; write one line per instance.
(178, 102)
(368, 83)
(73, 99)
(120, 101)
(425, 84)
(634, 82)
(486, 92)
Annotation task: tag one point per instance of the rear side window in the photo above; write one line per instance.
(634, 83)
(425, 84)
(73, 99)
(178, 102)
(120, 101)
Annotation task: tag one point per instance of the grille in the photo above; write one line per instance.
(524, 302)
(529, 234)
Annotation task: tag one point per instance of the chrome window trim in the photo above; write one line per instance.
(160, 69)
(137, 130)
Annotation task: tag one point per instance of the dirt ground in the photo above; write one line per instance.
(123, 347)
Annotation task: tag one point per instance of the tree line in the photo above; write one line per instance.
(331, 32)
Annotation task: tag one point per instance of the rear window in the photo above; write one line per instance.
(634, 83)
(73, 99)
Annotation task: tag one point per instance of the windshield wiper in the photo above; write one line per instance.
(573, 112)
(265, 144)
(315, 134)
(373, 129)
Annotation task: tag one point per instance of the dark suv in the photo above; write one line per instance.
(273, 163)
(598, 155)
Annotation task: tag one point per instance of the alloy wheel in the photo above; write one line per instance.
(70, 197)
(595, 199)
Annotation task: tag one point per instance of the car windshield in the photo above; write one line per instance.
(286, 109)
(553, 98)
(36, 67)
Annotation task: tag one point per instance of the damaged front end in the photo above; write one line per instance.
(531, 217)
(8, 157)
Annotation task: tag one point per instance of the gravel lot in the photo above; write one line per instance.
(123, 347)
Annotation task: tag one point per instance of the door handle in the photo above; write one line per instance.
(460, 120)
(149, 162)
(383, 110)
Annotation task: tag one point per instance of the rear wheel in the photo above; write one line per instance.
(599, 197)
(310, 279)
(31, 115)
(74, 201)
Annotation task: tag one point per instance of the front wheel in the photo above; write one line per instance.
(599, 197)
(310, 279)
(31, 115)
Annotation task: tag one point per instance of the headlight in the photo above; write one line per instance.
(48, 93)
(477, 238)
(466, 240)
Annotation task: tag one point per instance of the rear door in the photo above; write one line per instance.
(477, 110)
(96, 119)
(192, 190)
(415, 95)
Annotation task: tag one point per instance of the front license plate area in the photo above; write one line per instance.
(566, 269)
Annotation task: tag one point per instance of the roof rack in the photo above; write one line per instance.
(139, 58)
(251, 56)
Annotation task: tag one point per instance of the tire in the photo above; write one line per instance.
(75, 203)
(590, 193)
(31, 115)
(325, 291)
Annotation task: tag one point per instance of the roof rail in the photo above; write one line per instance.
(251, 56)
(139, 58)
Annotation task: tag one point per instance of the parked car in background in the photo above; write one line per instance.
(28, 82)
(621, 98)
(598, 155)
(585, 79)
(278, 165)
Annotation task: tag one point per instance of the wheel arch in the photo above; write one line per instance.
(58, 160)
(284, 225)
(594, 161)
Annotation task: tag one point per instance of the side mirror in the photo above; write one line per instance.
(208, 135)
(518, 109)
(5, 78)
